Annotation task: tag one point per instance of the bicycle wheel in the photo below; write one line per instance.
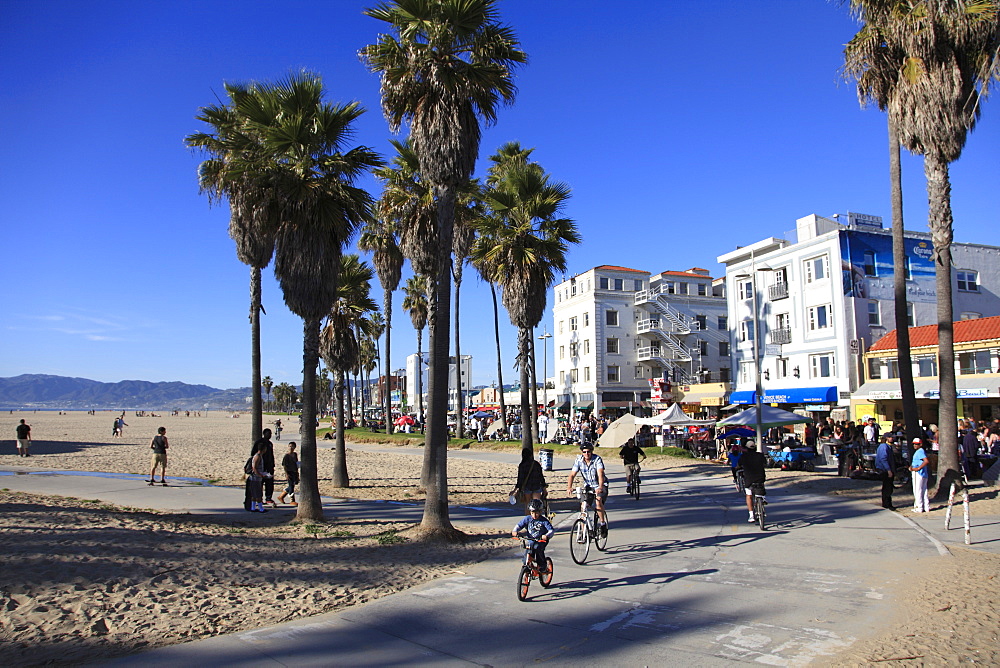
(523, 582)
(758, 507)
(579, 542)
(635, 485)
(740, 483)
(600, 538)
(545, 579)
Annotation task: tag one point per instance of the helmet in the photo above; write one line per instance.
(534, 505)
(586, 445)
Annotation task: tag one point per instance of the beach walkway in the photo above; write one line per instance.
(685, 579)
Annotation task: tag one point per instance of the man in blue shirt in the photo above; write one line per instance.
(591, 469)
(885, 464)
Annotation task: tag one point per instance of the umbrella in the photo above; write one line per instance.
(769, 417)
(403, 420)
(744, 432)
(493, 428)
(481, 414)
(618, 432)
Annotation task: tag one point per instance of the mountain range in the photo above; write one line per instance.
(55, 392)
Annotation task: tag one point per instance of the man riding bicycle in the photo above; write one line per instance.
(630, 453)
(591, 469)
(754, 466)
(538, 531)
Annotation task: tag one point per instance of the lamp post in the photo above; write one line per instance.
(758, 388)
(545, 369)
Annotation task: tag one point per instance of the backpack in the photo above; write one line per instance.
(248, 467)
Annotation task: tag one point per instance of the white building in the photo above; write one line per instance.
(617, 329)
(823, 299)
(415, 385)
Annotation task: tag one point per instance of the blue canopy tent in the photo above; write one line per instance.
(770, 417)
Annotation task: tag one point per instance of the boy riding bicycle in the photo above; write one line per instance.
(538, 530)
(754, 466)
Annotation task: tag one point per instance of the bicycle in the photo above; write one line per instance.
(529, 572)
(632, 481)
(586, 529)
(759, 502)
(741, 483)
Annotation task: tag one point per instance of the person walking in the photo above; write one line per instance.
(921, 475)
(885, 465)
(23, 439)
(543, 427)
(290, 464)
(159, 447)
(265, 446)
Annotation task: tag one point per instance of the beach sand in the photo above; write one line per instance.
(94, 581)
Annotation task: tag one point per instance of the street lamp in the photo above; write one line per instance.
(758, 388)
(545, 369)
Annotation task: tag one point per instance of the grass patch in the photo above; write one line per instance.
(341, 533)
(389, 537)
(315, 529)
(678, 452)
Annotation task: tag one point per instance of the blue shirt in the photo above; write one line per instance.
(535, 529)
(918, 458)
(883, 458)
(589, 471)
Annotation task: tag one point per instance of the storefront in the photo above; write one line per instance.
(793, 396)
(978, 397)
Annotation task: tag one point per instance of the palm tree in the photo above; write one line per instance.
(298, 152)
(447, 66)
(470, 209)
(285, 395)
(379, 238)
(267, 384)
(945, 53)
(415, 303)
(522, 246)
(340, 346)
(252, 221)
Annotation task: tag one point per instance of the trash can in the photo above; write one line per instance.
(545, 459)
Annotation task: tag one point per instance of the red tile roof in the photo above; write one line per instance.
(614, 268)
(685, 273)
(966, 331)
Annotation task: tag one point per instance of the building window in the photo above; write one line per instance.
(781, 367)
(723, 322)
(702, 290)
(612, 346)
(702, 322)
(562, 352)
(970, 315)
(874, 316)
(611, 318)
(892, 368)
(586, 374)
(906, 270)
(724, 375)
(682, 288)
(703, 347)
(869, 262)
(746, 372)
(745, 289)
(602, 283)
(670, 288)
(572, 324)
(968, 281)
(820, 317)
(926, 366)
(822, 366)
(874, 368)
(586, 346)
(619, 284)
(560, 326)
(586, 319)
(574, 375)
(723, 348)
(574, 349)
(911, 321)
(637, 284)
(815, 269)
(977, 361)
(746, 330)
(572, 288)
(562, 377)
(614, 374)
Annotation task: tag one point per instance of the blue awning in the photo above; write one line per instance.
(792, 395)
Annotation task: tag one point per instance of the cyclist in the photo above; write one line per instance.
(591, 469)
(754, 465)
(630, 453)
(538, 531)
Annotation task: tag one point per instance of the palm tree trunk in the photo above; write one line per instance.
(534, 385)
(460, 395)
(257, 407)
(310, 507)
(496, 332)
(340, 478)
(524, 340)
(387, 307)
(436, 520)
(910, 415)
(940, 219)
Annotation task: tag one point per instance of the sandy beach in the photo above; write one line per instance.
(95, 581)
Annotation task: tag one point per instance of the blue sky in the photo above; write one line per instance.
(685, 129)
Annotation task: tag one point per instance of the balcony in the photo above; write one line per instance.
(777, 291)
(782, 335)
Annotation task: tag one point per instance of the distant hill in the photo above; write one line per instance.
(44, 391)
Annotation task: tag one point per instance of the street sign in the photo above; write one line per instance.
(772, 349)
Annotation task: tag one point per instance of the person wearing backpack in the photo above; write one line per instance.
(262, 443)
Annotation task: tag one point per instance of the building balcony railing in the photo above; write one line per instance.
(783, 335)
(777, 291)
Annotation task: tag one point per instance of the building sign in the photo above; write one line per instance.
(659, 389)
(864, 220)
(861, 247)
(930, 394)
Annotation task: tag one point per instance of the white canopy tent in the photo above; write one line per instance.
(673, 417)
